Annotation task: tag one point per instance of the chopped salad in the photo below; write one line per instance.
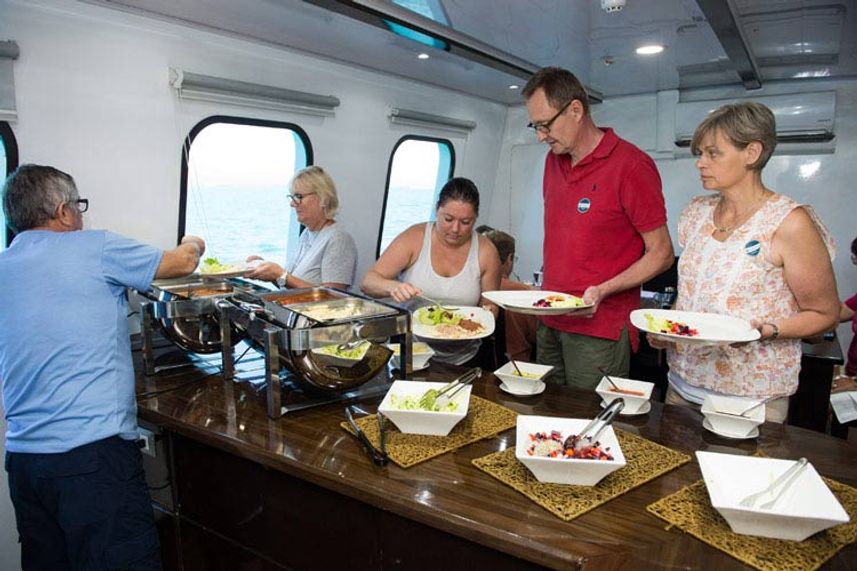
(213, 266)
(669, 326)
(559, 301)
(427, 402)
(552, 445)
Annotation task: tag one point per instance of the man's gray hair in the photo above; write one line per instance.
(33, 193)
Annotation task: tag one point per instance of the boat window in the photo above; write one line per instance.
(8, 163)
(235, 176)
(419, 167)
(431, 9)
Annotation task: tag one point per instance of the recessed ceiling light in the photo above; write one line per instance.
(423, 56)
(513, 86)
(650, 49)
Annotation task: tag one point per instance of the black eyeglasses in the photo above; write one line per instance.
(546, 126)
(82, 204)
(298, 197)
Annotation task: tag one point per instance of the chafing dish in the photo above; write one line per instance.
(290, 324)
(185, 311)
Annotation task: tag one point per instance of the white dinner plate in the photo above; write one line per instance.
(713, 329)
(234, 271)
(521, 301)
(539, 389)
(707, 426)
(481, 316)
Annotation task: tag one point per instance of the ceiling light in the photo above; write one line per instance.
(423, 56)
(650, 50)
(514, 86)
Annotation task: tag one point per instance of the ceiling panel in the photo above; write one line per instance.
(786, 39)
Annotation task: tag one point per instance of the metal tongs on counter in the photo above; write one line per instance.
(589, 435)
(379, 457)
(448, 391)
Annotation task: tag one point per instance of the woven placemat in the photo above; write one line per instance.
(690, 510)
(645, 460)
(484, 419)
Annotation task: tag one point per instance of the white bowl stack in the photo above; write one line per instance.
(419, 357)
(723, 413)
(633, 403)
(519, 384)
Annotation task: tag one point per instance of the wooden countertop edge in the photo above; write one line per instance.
(514, 545)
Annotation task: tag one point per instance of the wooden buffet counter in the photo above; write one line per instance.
(247, 492)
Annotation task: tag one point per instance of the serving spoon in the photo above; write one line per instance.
(514, 364)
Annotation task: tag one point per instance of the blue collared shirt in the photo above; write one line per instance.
(65, 352)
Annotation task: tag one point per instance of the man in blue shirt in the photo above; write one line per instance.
(75, 471)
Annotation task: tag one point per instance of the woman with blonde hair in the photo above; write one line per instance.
(751, 253)
(327, 254)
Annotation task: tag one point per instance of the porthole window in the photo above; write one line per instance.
(419, 167)
(8, 163)
(235, 175)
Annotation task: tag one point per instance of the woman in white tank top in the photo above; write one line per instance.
(445, 260)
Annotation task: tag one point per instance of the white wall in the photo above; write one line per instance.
(824, 180)
(93, 100)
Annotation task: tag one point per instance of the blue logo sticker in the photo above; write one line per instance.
(752, 248)
(583, 205)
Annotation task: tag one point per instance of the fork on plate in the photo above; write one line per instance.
(438, 304)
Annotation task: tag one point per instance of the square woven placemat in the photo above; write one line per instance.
(484, 419)
(645, 460)
(690, 510)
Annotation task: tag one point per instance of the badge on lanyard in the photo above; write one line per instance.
(584, 205)
(752, 248)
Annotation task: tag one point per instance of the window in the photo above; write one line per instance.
(431, 9)
(419, 168)
(8, 163)
(235, 175)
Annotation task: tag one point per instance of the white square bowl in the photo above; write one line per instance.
(420, 357)
(423, 421)
(806, 507)
(507, 374)
(722, 413)
(633, 403)
(573, 471)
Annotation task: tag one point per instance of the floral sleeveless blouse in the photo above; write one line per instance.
(736, 277)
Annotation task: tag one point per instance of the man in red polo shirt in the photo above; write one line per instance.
(605, 231)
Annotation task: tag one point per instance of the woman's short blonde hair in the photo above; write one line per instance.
(741, 123)
(315, 179)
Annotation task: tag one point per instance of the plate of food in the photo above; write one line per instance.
(434, 322)
(537, 302)
(212, 267)
(692, 327)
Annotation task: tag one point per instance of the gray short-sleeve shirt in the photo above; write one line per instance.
(326, 256)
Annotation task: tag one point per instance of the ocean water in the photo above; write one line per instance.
(237, 222)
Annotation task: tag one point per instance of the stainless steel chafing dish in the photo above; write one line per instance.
(292, 325)
(185, 311)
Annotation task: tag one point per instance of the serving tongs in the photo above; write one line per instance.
(590, 433)
(448, 391)
(379, 457)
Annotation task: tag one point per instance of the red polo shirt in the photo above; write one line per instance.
(595, 212)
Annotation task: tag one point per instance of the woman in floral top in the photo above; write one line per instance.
(751, 253)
